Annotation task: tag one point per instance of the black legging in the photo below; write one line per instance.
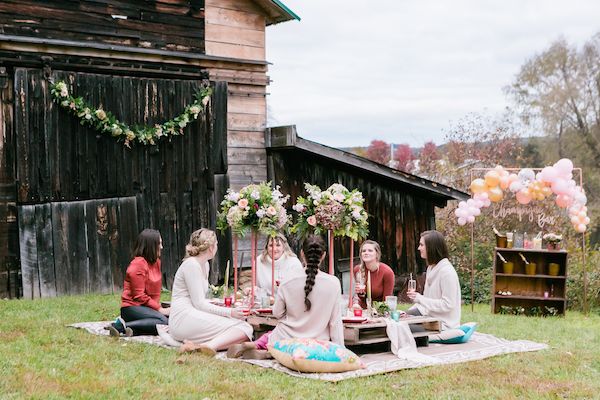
(143, 320)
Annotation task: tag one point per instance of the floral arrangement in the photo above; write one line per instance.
(552, 238)
(256, 207)
(105, 122)
(336, 209)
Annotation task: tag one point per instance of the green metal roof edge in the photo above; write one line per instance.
(286, 9)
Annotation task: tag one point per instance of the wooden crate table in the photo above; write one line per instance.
(358, 334)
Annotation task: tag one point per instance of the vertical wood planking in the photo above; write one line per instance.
(45, 251)
(28, 250)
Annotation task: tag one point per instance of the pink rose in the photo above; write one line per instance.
(312, 220)
(243, 203)
(271, 210)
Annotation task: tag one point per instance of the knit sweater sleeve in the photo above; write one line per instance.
(448, 283)
(193, 277)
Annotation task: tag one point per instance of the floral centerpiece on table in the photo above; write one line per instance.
(258, 207)
(336, 209)
(552, 240)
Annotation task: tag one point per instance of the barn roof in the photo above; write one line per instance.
(285, 138)
(276, 11)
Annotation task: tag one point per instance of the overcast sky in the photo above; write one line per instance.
(404, 70)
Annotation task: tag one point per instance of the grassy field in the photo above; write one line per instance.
(42, 359)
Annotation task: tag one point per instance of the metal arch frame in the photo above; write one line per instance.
(583, 244)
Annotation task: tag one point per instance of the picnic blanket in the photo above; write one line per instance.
(480, 346)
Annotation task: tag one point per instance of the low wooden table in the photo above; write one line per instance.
(361, 333)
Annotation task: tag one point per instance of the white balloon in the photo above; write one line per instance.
(526, 174)
(471, 202)
(515, 186)
(559, 186)
(474, 211)
(462, 221)
(487, 203)
(470, 219)
(462, 204)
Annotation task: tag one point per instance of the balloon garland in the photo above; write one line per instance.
(527, 187)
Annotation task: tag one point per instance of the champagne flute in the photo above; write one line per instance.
(412, 284)
(360, 284)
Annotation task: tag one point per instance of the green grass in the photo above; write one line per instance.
(42, 359)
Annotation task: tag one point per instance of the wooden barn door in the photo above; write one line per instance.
(83, 198)
(10, 278)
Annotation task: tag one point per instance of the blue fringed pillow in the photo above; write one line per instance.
(462, 334)
(313, 355)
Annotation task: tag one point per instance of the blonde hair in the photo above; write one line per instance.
(281, 239)
(377, 251)
(200, 241)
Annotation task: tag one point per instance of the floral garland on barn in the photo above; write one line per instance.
(105, 122)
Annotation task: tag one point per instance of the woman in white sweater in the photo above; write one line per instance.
(286, 263)
(441, 295)
(200, 325)
(306, 305)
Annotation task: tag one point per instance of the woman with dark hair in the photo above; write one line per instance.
(441, 296)
(382, 276)
(140, 302)
(306, 305)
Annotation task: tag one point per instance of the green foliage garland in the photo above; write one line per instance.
(105, 122)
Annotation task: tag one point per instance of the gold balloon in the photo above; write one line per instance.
(495, 194)
(492, 178)
(478, 186)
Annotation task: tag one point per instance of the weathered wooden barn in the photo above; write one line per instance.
(71, 200)
(400, 205)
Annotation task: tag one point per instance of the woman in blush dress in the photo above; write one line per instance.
(200, 325)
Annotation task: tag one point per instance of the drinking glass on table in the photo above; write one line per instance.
(392, 302)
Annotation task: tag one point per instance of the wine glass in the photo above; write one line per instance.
(278, 278)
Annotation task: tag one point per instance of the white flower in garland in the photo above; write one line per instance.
(105, 121)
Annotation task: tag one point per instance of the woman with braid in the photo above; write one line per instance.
(307, 306)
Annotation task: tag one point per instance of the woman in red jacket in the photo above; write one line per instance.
(382, 276)
(140, 302)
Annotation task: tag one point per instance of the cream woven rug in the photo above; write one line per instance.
(480, 346)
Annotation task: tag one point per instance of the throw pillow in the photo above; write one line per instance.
(313, 355)
(454, 336)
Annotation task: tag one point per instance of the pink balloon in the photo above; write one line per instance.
(549, 174)
(504, 182)
(564, 166)
(563, 201)
(575, 219)
(559, 186)
(470, 219)
(474, 211)
(581, 228)
(523, 197)
(462, 221)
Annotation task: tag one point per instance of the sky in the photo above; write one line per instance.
(404, 71)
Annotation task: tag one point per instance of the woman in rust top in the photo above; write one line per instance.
(140, 302)
(382, 276)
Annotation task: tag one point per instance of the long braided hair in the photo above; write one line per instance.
(313, 249)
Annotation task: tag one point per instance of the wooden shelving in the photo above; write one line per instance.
(534, 293)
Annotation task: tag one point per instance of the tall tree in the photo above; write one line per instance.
(429, 156)
(379, 151)
(404, 157)
(560, 90)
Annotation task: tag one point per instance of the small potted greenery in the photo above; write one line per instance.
(552, 241)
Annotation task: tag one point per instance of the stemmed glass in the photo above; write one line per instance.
(412, 284)
(360, 284)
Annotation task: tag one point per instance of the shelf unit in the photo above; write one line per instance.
(529, 290)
